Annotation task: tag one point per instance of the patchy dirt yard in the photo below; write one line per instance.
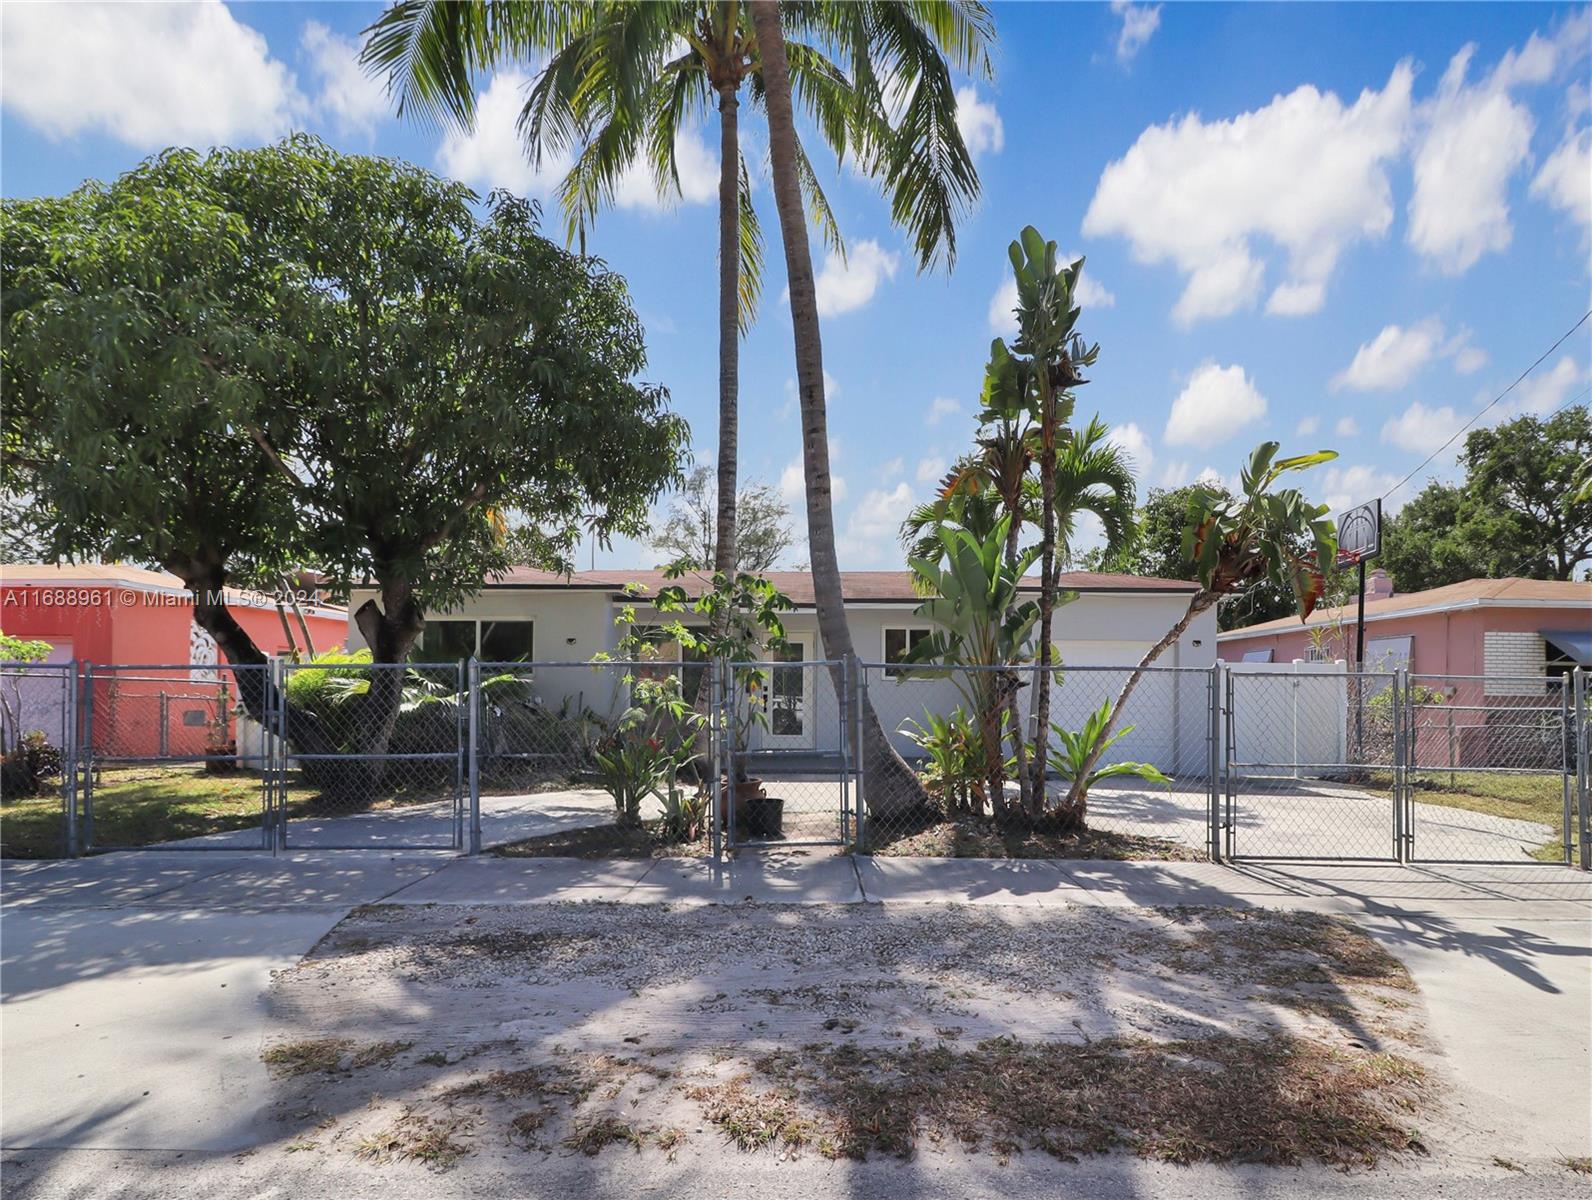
(434, 1033)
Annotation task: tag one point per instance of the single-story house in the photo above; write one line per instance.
(536, 616)
(1498, 627)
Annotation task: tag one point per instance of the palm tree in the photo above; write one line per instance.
(1234, 543)
(624, 77)
(905, 43)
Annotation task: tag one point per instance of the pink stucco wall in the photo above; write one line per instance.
(1446, 643)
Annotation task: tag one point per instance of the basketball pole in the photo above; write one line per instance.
(1359, 670)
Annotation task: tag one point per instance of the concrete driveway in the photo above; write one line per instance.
(133, 992)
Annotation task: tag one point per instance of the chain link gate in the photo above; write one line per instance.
(1492, 768)
(1314, 765)
(784, 761)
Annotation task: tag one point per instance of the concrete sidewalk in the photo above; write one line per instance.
(133, 983)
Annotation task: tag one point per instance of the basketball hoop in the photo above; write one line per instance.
(1360, 534)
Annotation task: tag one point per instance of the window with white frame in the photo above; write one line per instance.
(899, 641)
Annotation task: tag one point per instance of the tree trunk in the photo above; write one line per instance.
(892, 787)
(1047, 587)
(298, 616)
(724, 548)
(1014, 690)
(1077, 796)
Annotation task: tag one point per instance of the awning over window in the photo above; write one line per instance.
(1577, 643)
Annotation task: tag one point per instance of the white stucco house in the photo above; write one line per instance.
(539, 617)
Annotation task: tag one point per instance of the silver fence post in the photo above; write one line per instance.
(1567, 759)
(276, 755)
(1213, 727)
(164, 708)
(86, 754)
(861, 760)
(1229, 753)
(1403, 722)
(847, 826)
(69, 764)
(1583, 771)
(715, 757)
(473, 684)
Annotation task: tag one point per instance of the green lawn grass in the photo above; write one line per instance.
(1519, 797)
(136, 806)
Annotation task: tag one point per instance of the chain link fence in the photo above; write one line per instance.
(1297, 761)
(38, 735)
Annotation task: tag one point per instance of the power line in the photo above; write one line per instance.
(1494, 401)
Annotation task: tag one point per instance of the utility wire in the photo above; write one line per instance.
(1490, 405)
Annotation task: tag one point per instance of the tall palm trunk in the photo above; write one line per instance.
(1047, 587)
(729, 324)
(891, 786)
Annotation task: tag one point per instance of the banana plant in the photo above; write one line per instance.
(980, 620)
(1074, 753)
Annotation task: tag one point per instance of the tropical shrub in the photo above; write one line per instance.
(1074, 756)
(954, 771)
(27, 767)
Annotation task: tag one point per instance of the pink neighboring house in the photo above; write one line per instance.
(1501, 627)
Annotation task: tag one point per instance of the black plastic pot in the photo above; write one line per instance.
(765, 817)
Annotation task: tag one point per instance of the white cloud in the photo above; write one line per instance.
(351, 98)
(1392, 358)
(1397, 354)
(1306, 172)
(146, 74)
(1541, 394)
(697, 166)
(1565, 180)
(978, 122)
(1346, 427)
(491, 154)
(846, 284)
(1420, 429)
(1134, 442)
(1003, 304)
(869, 538)
(930, 470)
(1475, 137)
(941, 407)
(1215, 405)
(1340, 487)
(1307, 426)
(1139, 23)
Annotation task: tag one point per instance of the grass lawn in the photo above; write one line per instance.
(1518, 797)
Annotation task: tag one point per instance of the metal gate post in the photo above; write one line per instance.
(861, 762)
(1567, 762)
(715, 758)
(1403, 721)
(1213, 727)
(87, 756)
(846, 704)
(276, 757)
(1583, 770)
(69, 763)
(1230, 753)
(473, 750)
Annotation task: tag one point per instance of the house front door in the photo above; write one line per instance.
(790, 697)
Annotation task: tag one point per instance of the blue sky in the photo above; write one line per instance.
(1338, 226)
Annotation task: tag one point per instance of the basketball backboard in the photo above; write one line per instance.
(1360, 533)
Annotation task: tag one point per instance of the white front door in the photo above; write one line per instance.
(791, 723)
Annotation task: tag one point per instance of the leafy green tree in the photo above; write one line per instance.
(904, 46)
(690, 530)
(284, 354)
(1526, 469)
